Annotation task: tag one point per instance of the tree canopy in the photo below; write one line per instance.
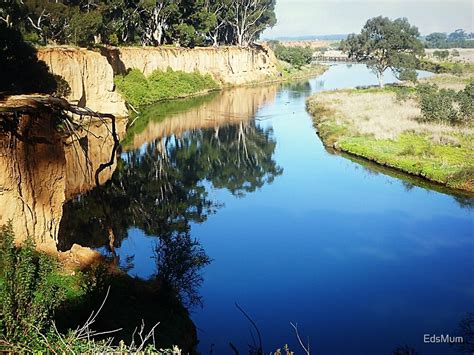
(385, 44)
(148, 22)
(457, 39)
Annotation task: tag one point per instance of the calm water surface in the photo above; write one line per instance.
(362, 261)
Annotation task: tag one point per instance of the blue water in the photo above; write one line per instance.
(362, 261)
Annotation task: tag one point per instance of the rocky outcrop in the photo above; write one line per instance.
(90, 73)
(89, 76)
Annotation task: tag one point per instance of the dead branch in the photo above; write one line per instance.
(305, 348)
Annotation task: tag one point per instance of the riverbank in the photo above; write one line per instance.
(384, 126)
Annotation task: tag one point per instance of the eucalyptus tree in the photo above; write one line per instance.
(11, 12)
(49, 19)
(218, 12)
(385, 44)
(249, 18)
(192, 24)
(156, 17)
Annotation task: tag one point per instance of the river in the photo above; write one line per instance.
(362, 259)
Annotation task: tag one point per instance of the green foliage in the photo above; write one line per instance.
(30, 290)
(441, 55)
(149, 22)
(445, 105)
(466, 103)
(385, 44)
(296, 56)
(162, 85)
(445, 67)
(84, 26)
(456, 39)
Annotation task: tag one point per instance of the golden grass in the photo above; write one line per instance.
(380, 115)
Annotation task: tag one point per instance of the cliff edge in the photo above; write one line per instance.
(90, 74)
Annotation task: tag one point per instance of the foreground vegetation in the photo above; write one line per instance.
(426, 131)
(39, 300)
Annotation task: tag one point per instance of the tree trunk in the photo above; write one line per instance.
(240, 39)
(380, 78)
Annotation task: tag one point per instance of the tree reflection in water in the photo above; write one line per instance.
(161, 189)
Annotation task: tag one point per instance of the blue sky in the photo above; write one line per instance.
(313, 17)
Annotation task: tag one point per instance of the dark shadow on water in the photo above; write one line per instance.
(132, 303)
(463, 199)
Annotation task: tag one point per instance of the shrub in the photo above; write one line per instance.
(162, 85)
(29, 290)
(457, 69)
(296, 56)
(445, 105)
(441, 55)
(466, 102)
(113, 39)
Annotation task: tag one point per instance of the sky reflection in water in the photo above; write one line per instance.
(362, 261)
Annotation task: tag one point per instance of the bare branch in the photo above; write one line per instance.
(305, 348)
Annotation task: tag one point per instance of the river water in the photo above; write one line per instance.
(363, 260)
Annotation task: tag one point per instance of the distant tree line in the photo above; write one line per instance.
(148, 22)
(456, 39)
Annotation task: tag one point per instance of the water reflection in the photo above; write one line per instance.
(162, 188)
(331, 243)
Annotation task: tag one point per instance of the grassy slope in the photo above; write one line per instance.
(139, 90)
(449, 161)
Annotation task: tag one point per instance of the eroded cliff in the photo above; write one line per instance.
(90, 74)
(228, 65)
(43, 169)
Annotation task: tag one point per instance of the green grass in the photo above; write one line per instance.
(139, 90)
(414, 153)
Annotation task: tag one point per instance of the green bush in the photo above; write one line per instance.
(296, 56)
(446, 105)
(441, 55)
(30, 290)
(466, 102)
(162, 85)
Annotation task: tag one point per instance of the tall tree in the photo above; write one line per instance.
(385, 44)
(156, 18)
(249, 18)
(218, 11)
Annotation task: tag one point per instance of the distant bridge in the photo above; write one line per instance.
(332, 56)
